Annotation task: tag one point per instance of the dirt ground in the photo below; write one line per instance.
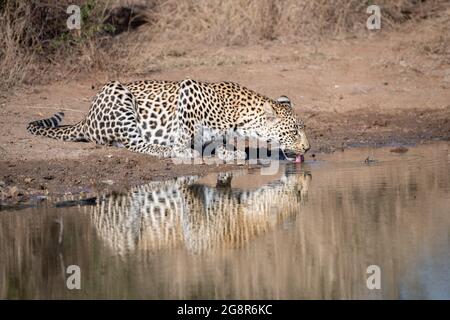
(380, 90)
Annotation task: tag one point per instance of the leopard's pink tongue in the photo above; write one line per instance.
(299, 158)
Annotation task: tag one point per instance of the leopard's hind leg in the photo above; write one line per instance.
(113, 120)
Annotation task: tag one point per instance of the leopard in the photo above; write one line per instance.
(169, 118)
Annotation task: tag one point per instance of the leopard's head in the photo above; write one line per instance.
(285, 128)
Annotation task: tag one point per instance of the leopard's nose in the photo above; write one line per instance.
(306, 147)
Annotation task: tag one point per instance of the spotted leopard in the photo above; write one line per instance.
(168, 118)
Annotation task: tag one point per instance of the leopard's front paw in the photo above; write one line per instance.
(186, 154)
(230, 155)
(240, 155)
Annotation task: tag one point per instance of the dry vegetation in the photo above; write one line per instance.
(36, 46)
(239, 22)
(35, 39)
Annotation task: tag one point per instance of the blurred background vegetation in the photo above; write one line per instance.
(133, 37)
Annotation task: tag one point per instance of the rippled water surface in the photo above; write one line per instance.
(308, 231)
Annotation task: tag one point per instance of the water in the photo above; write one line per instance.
(310, 231)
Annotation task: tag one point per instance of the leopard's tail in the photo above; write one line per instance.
(50, 128)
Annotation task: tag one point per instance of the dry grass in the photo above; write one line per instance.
(239, 22)
(36, 45)
(35, 37)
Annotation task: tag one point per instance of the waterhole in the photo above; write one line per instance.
(310, 231)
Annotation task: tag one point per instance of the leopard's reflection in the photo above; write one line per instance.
(197, 214)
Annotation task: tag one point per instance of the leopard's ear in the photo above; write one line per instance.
(284, 100)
